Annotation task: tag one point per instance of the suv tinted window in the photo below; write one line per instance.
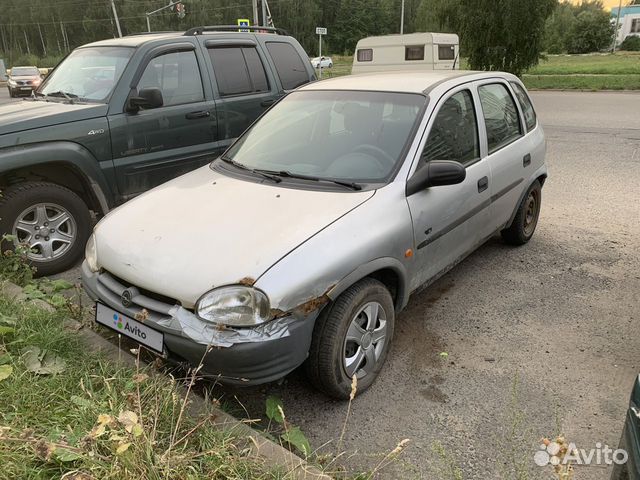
(525, 103)
(454, 133)
(177, 76)
(500, 115)
(289, 65)
(238, 70)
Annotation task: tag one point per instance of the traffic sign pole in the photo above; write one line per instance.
(320, 31)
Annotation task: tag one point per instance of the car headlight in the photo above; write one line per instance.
(234, 306)
(91, 254)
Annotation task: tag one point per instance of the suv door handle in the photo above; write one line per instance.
(483, 184)
(194, 115)
(267, 103)
(526, 160)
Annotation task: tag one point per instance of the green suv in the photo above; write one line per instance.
(120, 116)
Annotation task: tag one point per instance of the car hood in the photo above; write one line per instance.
(30, 114)
(205, 230)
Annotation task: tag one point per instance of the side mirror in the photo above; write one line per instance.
(147, 98)
(435, 174)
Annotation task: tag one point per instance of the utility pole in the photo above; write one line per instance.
(265, 23)
(615, 33)
(402, 18)
(115, 15)
(256, 21)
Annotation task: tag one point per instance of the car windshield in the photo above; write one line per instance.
(24, 72)
(354, 136)
(89, 73)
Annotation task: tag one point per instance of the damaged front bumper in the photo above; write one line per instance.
(233, 355)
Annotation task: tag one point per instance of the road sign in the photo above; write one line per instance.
(243, 22)
(321, 31)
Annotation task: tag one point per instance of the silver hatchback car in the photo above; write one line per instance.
(305, 239)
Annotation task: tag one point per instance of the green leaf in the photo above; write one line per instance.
(57, 300)
(81, 402)
(295, 437)
(4, 359)
(273, 412)
(32, 292)
(60, 285)
(444, 354)
(5, 371)
(6, 320)
(65, 455)
(42, 362)
(6, 330)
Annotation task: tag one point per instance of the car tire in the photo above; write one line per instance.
(331, 65)
(11, 94)
(365, 310)
(44, 204)
(524, 224)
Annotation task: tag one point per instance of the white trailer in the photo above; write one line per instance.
(413, 51)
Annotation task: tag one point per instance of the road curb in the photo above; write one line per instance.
(259, 446)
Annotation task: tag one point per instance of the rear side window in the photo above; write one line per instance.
(365, 55)
(289, 65)
(238, 70)
(414, 52)
(446, 52)
(500, 115)
(525, 104)
(177, 75)
(454, 133)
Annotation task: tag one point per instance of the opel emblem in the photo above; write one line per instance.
(125, 298)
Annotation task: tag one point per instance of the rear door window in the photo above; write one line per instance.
(525, 104)
(238, 70)
(500, 115)
(290, 67)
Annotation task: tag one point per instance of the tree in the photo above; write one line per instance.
(591, 32)
(503, 34)
(438, 16)
(631, 43)
(558, 26)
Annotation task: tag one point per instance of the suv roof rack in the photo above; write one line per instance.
(234, 28)
(135, 34)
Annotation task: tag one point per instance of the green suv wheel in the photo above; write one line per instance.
(52, 220)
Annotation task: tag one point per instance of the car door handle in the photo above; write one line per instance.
(267, 103)
(483, 184)
(526, 160)
(194, 115)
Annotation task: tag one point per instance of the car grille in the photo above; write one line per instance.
(111, 289)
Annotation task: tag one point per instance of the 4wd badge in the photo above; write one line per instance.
(96, 132)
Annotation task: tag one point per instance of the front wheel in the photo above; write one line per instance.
(50, 219)
(11, 94)
(524, 224)
(352, 338)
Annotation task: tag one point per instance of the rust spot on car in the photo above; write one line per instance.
(315, 303)
(247, 281)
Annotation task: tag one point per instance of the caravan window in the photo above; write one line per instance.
(446, 52)
(365, 54)
(414, 52)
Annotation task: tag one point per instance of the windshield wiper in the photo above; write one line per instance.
(69, 96)
(241, 166)
(286, 173)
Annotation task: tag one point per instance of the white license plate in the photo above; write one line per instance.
(129, 327)
(25, 88)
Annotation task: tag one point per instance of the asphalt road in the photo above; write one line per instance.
(4, 96)
(540, 339)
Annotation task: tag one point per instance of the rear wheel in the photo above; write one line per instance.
(352, 338)
(52, 220)
(524, 224)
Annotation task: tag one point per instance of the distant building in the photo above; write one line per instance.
(629, 21)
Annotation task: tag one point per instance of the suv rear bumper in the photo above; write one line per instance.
(247, 363)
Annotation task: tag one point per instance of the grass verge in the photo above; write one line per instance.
(582, 82)
(68, 413)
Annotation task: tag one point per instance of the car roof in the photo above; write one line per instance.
(403, 81)
(138, 39)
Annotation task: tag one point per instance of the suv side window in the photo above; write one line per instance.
(238, 70)
(289, 65)
(454, 133)
(500, 115)
(177, 75)
(527, 107)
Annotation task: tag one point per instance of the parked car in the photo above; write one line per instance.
(303, 241)
(23, 80)
(630, 439)
(322, 62)
(120, 116)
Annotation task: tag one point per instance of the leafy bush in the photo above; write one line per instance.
(14, 264)
(631, 43)
(591, 32)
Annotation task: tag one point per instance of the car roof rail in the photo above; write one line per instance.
(235, 28)
(135, 34)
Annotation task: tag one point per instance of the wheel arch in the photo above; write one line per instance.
(541, 178)
(64, 163)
